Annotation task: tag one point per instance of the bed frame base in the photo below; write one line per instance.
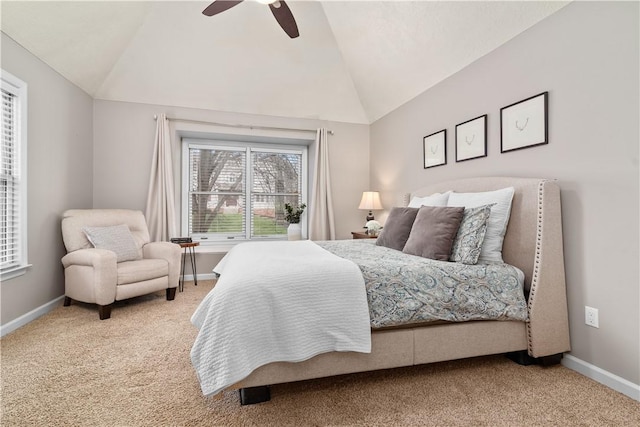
(253, 395)
(260, 394)
(523, 358)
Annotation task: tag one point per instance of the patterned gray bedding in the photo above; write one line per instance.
(405, 289)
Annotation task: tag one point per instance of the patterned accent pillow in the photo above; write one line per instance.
(116, 238)
(498, 221)
(468, 242)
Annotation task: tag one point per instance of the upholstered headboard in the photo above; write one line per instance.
(519, 246)
(533, 243)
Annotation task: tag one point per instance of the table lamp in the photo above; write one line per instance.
(370, 201)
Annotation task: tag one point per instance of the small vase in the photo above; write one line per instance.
(294, 232)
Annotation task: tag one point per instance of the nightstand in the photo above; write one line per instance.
(189, 247)
(362, 235)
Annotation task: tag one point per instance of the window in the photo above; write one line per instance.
(13, 177)
(238, 191)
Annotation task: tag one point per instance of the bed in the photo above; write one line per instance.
(536, 330)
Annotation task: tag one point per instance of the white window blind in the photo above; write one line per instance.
(277, 179)
(13, 254)
(239, 192)
(216, 192)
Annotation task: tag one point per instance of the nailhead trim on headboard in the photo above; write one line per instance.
(536, 265)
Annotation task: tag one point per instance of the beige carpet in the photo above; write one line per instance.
(69, 368)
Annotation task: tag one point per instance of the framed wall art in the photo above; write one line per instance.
(525, 123)
(435, 149)
(471, 139)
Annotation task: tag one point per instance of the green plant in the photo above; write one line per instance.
(293, 215)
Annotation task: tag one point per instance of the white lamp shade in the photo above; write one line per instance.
(370, 200)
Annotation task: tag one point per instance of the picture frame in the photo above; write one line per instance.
(525, 123)
(434, 148)
(471, 139)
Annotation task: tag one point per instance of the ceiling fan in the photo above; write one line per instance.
(279, 8)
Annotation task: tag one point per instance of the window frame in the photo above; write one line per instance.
(18, 89)
(223, 241)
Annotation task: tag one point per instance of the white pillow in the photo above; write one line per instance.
(498, 219)
(435, 199)
(116, 238)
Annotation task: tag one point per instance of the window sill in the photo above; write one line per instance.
(14, 272)
(215, 248)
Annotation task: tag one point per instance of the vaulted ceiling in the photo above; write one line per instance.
(354, 61)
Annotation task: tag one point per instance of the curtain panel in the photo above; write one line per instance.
(321, 220)
(160, 211)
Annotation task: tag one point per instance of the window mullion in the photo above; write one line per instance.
(248, 195)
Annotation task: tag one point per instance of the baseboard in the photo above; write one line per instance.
(30, 316)
(189, 277)
(603, 377)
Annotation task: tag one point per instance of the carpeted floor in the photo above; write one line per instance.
(69, 368)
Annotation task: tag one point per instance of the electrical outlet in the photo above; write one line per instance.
(591, 316)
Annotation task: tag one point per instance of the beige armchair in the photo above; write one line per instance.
(102, 276)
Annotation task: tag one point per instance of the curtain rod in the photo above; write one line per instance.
(202, 122)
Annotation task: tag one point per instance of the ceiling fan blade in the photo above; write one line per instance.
(220, 6)
(283, 15)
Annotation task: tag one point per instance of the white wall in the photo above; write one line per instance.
(59, 175)
(123, 146)
(586, 56)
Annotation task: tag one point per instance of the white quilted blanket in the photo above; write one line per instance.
(277, 301)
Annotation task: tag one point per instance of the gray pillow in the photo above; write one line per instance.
(116, 238)
(397, 228)
(433, 232)
(468, 242)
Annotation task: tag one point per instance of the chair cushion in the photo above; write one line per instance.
(141, 270)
